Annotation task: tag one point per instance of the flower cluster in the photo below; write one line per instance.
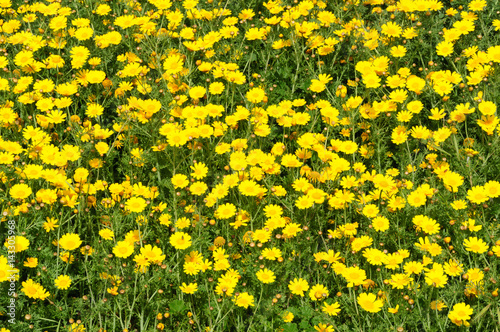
(279, 164)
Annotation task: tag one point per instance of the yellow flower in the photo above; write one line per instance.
(317, 86)
(354, 276)
(255, 95)
(436, 277)
(216, 88)
(31, 262)
(225, 211)
(323, 328)
(331, 309)
(200, 171)
(198, 188)
(123, 249)
(438, 305)
(391, 29)
(244, 300)
(17, 243)
(180, 181)
(444, 48)
(369, 302)
(398, 51)
(152, 253)
(475, 245)
(70, 241)
(393, 310)
(288, 317)
(20, 191)
(298, 286)
(371, 80)
(180, 240)
(189, 289)
(136, 204)
(34, 290)
(63, 282)
(266, 276)
(96, 76)
(106, 234)
(318, 292)
(197, 92)
(460, 314)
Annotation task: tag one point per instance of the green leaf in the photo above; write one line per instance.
(177, 306)
(304, 324)
(306, 312)
(290, 327)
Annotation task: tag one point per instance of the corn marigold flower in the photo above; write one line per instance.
(190, 288)
(18, 244)
(380, 224)
(298, 286)
(84, 33)
(288, 317)
(331, 309)
(436, 277)
(244, 300)
(444, 48)
(323, 328)
(460, 314)
(173, 64)
(374, 256)
(96, 76)
(413, 267)
(23, 58)
(398, 51)
(63, 282)
(31, 262)
(182, 223)
(453, 268)
(354, 276)
(371, 80)
(361, 242)
(438, 305)
(180, 181)
(266, 276)
(249, 188)
(271, 253)
(393, 310)
(152, 253)
(106, 234)
(20, 191)
(477, 195)
(180, 240)
(200, 170)
(34, 290)
(123, 249)
(369, 302)
(197, 92)
(216, 88)
(318, 292)
(391, 29)
(255, 95)
(225, 211)
(475, 245)
(317, 86)
(198, 188)
(70, 241)
(291, 230)
(135, 204)
(415, 84)
(304, 202)
(370, 210)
